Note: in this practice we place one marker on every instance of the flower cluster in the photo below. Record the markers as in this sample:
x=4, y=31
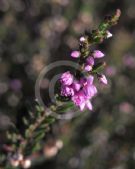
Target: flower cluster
x=83, y=90
x=80, y=91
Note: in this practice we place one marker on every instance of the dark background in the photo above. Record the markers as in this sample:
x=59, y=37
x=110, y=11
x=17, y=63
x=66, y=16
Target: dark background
x=34, y=33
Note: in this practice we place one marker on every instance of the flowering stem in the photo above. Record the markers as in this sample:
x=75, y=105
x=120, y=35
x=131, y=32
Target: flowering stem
x=39, y=122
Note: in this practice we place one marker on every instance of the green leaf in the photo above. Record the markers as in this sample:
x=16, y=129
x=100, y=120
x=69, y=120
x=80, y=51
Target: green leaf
x=31, y=114
x=39, y=136
x=103, y=27
x=99, y=67
x=39, y=108
x=49, y=120
x=14, y=137
x=65, y=107
x=25, y=121
x=9, y=135
x=36, y=147
x=27, y=133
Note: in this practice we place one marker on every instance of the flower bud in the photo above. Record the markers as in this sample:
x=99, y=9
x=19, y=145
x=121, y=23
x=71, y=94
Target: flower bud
x=82, y=39
x=102, y=79
x=90, y=60
x=109, y=35
x=75, y=54
x=88, y=68
x=118, y=13
x=98, y=54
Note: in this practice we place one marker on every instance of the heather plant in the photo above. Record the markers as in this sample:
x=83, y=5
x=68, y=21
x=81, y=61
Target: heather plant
x=76, y=89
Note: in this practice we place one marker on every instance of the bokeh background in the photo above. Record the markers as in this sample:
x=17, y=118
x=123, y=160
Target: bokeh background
x=34, y=33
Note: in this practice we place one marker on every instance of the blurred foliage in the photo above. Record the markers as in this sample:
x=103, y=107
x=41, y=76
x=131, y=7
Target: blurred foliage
x=35, y=33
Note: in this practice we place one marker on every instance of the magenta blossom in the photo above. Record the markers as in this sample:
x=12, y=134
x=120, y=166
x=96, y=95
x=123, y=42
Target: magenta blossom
x=67, y=91
x=98, y=54
x=89, y=89
x=75, y=54
x=80, y=100
x=66, y=78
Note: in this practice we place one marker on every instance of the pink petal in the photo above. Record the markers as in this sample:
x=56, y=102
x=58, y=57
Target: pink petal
x=103, y=79
x=95, y=90
x=82, y=106
x=89, y=105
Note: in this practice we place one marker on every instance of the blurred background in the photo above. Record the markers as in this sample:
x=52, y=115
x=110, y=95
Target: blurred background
x=34, y=33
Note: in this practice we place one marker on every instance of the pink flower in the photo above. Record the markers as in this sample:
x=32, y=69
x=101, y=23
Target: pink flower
x=67, y=91
x=98, y=54
x=66, y=78
x=80, y=100
x=90, y=60
x=75, y=54
x=102, y=79
x=89, y=89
